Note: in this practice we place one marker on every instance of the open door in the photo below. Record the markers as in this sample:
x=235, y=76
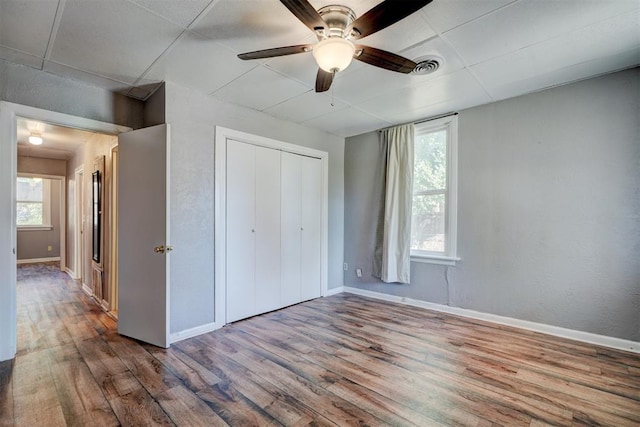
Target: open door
x=143, y=235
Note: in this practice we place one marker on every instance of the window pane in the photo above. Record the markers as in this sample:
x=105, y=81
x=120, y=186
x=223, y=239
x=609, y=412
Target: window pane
x=30, y=189
x=29, y=213
x=427, y=223
x=430, y=161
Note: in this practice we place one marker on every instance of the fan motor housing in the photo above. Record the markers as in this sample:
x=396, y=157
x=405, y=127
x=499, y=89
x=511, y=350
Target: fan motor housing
x=338, y=19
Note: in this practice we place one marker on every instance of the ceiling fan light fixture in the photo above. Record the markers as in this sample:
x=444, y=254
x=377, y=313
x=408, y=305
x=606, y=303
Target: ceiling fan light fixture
x=334, y=54
x=35, y=138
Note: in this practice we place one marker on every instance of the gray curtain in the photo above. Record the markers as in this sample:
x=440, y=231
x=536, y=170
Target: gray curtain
x=392, y=255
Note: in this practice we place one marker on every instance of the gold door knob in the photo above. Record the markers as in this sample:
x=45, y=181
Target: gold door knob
x=159, y=249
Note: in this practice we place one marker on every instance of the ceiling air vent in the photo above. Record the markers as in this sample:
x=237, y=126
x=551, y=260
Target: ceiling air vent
x=427, y=65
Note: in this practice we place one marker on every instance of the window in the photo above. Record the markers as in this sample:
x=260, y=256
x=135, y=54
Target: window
x=433, y=219
x=32, y=203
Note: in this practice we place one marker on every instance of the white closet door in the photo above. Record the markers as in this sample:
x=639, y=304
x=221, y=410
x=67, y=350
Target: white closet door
x=241, y=293
x=267, y=229
x=311, y=227
x=291, y=187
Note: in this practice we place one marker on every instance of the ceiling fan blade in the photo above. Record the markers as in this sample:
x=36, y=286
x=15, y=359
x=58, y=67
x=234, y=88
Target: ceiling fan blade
x=383, y=59
x=276, y=51
x=384, y=14
x=324, y=80
x=305, y=13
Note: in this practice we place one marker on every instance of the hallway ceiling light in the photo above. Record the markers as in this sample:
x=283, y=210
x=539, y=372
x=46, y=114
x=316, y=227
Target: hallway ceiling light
x=35, y=138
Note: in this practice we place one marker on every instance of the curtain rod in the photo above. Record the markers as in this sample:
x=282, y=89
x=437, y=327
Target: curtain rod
x=441, y=116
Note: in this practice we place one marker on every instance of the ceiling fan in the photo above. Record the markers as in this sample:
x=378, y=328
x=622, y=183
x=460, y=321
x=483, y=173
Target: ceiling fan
x=336, y=26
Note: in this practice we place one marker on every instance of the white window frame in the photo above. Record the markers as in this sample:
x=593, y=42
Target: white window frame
x=46, y=205
x=449, y=257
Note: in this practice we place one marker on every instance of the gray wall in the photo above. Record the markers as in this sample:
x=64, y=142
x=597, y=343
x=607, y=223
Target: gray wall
x=548, y=226
x=33, y=244
x=193, y=118
x=42, y=166
x=27, y=86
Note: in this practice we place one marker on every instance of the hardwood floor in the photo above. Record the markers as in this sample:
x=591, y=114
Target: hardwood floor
x=341, y=360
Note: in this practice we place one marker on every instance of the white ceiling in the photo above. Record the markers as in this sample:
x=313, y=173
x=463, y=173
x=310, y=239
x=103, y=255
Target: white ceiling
x=59, y=142
x=493, y=49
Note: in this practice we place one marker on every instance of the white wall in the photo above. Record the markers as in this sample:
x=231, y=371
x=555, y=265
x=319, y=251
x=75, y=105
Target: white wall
x=193, y=118
x=549, y=202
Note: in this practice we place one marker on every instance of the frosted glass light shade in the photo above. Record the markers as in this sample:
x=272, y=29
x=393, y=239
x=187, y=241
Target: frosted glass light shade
x=334, y=54
x=35, y=139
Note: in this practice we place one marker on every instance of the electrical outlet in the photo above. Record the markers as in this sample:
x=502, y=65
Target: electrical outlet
x=345, y=266
x=359, y=272
x=49, y=248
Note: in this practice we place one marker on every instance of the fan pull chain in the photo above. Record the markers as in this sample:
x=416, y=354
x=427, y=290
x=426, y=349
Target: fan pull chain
x=333, y=90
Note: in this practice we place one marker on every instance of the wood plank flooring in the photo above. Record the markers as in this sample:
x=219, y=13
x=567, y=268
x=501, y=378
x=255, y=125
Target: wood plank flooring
x=341, y=360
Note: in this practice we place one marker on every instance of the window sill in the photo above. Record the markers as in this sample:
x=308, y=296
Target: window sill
x=435, y=259
x=35, y=228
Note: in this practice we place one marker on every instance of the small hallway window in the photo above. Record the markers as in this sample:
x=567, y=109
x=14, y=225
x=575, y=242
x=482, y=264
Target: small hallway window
x=32, y=202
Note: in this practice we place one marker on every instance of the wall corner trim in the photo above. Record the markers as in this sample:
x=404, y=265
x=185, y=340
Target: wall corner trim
x=587, y=337
x=71, y=273
x=192, y=332
x=334, y=291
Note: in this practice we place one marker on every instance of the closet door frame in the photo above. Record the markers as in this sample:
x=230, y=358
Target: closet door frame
x=222, y=135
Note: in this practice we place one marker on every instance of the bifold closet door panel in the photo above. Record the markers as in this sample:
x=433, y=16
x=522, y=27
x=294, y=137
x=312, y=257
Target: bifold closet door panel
x=241, y=258
x=290, y=220
x=267, y=229
x=311, y=228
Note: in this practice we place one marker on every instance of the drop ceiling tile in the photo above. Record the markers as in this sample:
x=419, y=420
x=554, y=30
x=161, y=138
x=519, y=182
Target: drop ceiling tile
x=574, y=72
x=347, y=122
x=198, y=63
x=26, y=25
x=603, y=39
x=22, y=58
x=528, y=22
x=436, y=46
x=439, y=108
x=369, y=81
x=115, y=38
x=250, y=25
x=394, y=105
x=445, y=15
x=182, y=13
x=301, y=67
x=83, y=76
x=411, y=30
x=259, y=89
x=307, y=106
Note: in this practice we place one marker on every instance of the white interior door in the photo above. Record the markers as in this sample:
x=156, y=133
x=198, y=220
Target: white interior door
x=311, y=228
x=267, y=255
x=241, y=236
x=143, y=235
x=291, y=187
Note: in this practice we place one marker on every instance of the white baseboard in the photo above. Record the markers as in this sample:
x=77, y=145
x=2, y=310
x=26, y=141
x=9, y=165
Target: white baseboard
x=588, y=337
x=334, y=291
x=192, y=332
x=87, y=290
x=71, y=273
x=36, y=260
